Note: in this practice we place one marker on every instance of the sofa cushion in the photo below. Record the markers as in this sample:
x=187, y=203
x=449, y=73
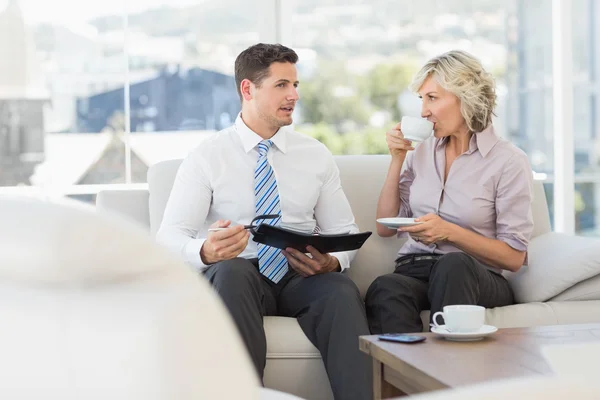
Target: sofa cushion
x=285, y=339
x=362, y=179
x=576, y=312
x=515, y=316
x=588, y=289
x=538, y=314
x=556, y=262
x=521, y=315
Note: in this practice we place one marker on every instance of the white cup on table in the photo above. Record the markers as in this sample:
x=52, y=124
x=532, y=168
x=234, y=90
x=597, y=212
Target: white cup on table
x=461, y=318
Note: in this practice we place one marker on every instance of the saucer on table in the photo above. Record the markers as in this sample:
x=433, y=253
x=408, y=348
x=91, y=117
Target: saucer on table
x=484, y=331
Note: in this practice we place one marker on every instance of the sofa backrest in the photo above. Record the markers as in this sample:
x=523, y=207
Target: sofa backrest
x=161, y=177
x=362, y=177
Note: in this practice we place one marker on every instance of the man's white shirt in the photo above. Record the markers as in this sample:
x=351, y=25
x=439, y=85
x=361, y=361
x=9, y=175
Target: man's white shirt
x=216, y=182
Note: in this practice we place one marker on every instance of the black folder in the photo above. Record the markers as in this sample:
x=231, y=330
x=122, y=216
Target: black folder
x=283, y=238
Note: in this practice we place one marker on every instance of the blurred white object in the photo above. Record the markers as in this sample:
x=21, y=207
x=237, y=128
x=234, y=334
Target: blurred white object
x=91, y=308
x=270, y=394
x=521, y=389
x=575, y=365
x=573, y=360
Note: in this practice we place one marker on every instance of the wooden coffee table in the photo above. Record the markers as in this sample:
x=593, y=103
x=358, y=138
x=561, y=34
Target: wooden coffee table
x=403, y=369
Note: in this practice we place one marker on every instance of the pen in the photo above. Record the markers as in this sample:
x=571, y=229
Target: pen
x=222, y=229
x=257, y=218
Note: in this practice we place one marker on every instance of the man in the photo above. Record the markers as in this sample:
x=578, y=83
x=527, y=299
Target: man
x=262, y=166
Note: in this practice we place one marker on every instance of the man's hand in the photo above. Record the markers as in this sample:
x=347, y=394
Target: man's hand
x=433, y=229
x=314, y=264
x=225, y=244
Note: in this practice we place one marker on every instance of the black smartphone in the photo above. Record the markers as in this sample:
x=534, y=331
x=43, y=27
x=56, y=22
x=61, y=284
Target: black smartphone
x=401, y=338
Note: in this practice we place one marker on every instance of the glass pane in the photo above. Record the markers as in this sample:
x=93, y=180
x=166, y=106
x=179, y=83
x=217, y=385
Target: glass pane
x=585, y=93
x=356, y=63
x=52, y=64
x=190, y=90
x=357, y=58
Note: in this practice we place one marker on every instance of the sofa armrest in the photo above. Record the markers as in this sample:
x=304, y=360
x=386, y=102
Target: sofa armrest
x=556, y=262
x=131, y=204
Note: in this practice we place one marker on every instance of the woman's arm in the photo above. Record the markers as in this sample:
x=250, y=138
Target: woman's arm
x=389, y=202
x=492, y=252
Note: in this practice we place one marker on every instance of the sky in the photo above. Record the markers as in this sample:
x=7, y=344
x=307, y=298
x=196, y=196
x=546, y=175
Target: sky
x=78, y=11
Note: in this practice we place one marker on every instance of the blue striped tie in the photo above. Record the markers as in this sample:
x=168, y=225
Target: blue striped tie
x=271, y=262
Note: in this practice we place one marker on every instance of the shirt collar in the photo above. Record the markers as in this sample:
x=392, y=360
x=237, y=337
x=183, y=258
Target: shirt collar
x=483, y=141
x=251, y=139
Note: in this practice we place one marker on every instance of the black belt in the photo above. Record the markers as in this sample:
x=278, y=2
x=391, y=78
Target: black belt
x=417, y=266
x=413, y=258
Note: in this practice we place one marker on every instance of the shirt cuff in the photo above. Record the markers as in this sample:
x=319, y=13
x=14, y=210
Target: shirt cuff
x=344, y=257
x=514, y=240
x=191, y=254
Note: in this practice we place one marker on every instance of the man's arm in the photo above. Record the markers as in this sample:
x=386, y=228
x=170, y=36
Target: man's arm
x=186, y=210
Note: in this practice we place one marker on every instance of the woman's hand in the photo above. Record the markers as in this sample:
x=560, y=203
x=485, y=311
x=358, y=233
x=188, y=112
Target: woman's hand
x=397, y=145
x=432, y=230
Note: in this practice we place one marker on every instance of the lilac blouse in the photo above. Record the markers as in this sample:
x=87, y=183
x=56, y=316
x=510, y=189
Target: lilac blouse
x=489, y=190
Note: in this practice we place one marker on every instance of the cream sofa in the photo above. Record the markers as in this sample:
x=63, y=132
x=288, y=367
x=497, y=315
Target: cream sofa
x=91, y=315
x=564, y=294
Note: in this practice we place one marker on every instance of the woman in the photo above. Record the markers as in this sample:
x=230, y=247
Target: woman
x=472, y=193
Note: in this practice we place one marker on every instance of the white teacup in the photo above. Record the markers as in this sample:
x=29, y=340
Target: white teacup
x=416, y=129
x=461, y=318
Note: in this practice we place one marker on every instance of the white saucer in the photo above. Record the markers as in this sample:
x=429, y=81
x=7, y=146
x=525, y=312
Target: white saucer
x=484, y=331
x=395, y=223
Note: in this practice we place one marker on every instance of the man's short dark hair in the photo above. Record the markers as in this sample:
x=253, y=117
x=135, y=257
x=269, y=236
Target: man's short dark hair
x=254, y=62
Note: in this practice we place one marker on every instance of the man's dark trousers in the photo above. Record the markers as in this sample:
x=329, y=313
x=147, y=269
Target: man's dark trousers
x=328, y=307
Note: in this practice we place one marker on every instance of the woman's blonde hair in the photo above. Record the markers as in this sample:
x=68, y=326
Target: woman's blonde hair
x=463, y=75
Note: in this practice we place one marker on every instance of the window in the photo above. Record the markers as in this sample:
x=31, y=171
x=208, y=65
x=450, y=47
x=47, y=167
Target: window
x=357, y=59
x=63, y=107
x=586, y=13
x=157, y=78
x=44, y=92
